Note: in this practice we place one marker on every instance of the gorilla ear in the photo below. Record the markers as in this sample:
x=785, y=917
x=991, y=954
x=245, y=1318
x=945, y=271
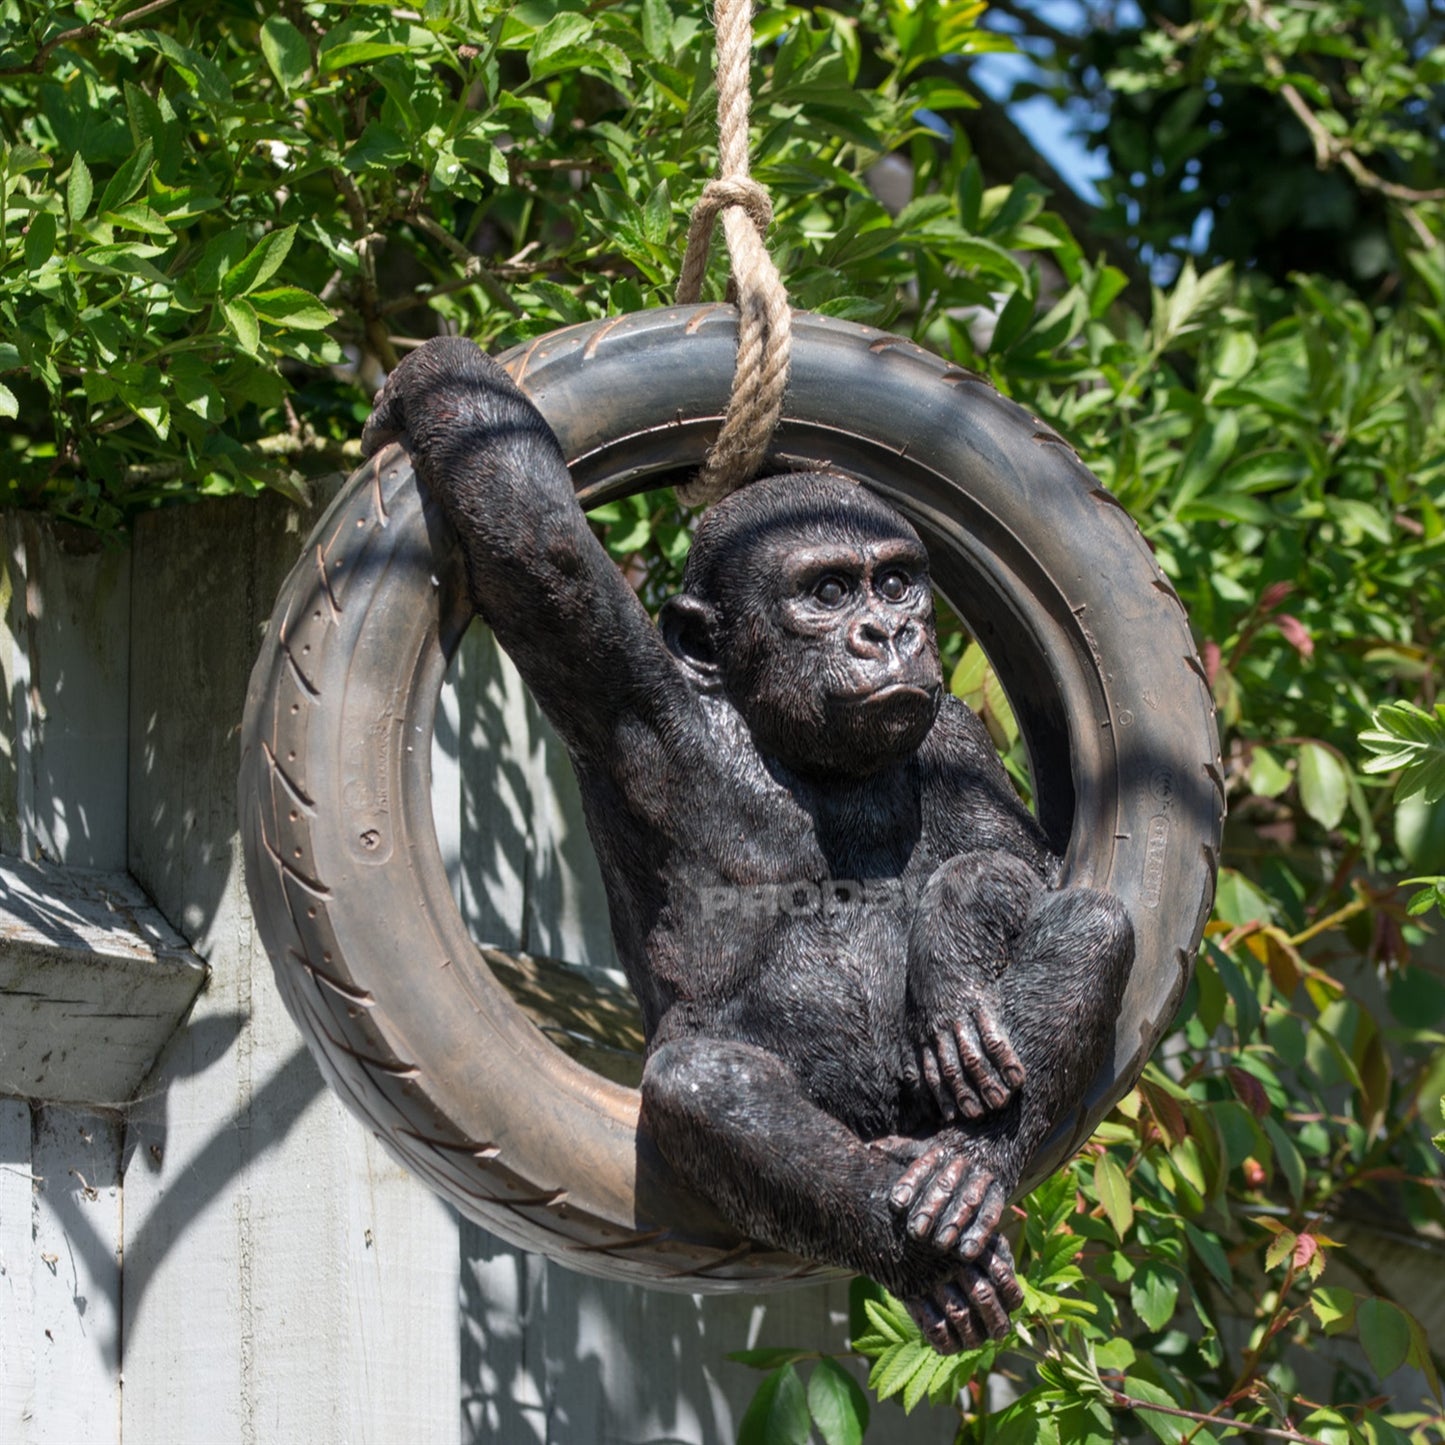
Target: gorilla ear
x=688, y=628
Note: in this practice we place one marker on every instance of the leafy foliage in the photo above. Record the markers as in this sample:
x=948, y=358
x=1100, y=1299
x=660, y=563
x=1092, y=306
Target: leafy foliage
x=1410, y=739
x=220, y=224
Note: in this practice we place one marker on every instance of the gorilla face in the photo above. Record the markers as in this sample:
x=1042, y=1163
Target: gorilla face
x=807, y=603
x=837, y=671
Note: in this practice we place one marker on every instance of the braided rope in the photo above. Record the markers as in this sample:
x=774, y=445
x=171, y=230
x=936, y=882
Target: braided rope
x=764, y=318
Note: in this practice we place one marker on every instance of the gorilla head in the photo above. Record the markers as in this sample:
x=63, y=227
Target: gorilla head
x=806, y=603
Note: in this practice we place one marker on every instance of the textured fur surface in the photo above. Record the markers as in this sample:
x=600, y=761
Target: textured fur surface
x=865, y=1002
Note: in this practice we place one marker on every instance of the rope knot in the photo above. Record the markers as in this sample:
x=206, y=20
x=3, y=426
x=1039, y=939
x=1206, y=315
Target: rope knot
x=764, y=320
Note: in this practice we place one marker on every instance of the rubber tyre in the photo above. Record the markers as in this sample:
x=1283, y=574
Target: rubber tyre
x=347, y=883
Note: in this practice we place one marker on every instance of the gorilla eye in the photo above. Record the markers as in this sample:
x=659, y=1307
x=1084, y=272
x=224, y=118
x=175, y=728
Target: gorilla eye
x=830, y=591
x=893, y=586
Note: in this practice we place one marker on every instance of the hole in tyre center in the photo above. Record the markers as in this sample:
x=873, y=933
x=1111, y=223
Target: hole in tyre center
x=521, y=869
x=509, y=822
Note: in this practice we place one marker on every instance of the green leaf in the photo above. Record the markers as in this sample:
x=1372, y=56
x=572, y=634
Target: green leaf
x=1419, y=1353
x=1113, y=1189
x=1291, y=1165
x=1280, y=1248
x=657, y=28
x=1154, y=1291
x=1384, y=1334
x=657, y=215
x=285, y=50
x=1268, y=778
x=9, y=407
x=1323, y=784
x=1409, y=738
x=1169, y=1428
x=778, y=1414
x=243, y=322
x=1420, y=832
x=201, y=74
x=128, y=180
x=40, y=240
x=259, y=265
x=896, y=1368
x=78, y=189
x=883, y=1316
x=1211, y=1252
x=769, y=1359
x=563, y=32
x=1334, y=1307
x=357, y=41
x=837, y=1404
x=291, y=306
x=138, y=217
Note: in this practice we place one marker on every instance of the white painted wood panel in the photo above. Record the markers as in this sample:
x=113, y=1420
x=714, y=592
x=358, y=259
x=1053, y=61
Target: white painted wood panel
x=300, y=1285
x=60, y=1217
x=68, y=596
x=94, y=982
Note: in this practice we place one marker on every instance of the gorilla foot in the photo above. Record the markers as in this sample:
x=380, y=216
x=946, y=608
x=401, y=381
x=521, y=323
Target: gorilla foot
x=961, y=1312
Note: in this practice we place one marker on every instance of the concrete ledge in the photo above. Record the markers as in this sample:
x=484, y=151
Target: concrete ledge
x=93, y=982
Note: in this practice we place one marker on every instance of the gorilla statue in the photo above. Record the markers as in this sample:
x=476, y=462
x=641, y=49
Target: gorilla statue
x=865, y=1003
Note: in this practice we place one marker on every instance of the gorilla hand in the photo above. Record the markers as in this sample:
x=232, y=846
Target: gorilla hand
x=431, y=396
x=949, y=1201
x=969, y=1065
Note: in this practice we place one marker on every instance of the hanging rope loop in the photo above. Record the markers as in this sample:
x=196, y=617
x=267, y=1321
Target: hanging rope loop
x=764, y=317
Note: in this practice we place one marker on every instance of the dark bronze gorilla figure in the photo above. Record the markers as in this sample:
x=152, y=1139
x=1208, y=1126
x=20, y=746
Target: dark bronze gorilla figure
x=865, y=1005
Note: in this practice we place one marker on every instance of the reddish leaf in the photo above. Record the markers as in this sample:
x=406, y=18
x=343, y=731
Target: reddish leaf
x=1296, y=634
x=1166, y=1111
x=1274, y=594
x=1210, y=656
x=1249, y=1091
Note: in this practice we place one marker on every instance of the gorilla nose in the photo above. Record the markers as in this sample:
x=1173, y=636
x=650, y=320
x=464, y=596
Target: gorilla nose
x=878, y=638
x=869, y=638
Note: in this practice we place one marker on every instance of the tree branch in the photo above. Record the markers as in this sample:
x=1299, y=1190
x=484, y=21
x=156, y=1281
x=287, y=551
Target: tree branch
x=37, y=63
x=1121, y=1401
x=1330, y=150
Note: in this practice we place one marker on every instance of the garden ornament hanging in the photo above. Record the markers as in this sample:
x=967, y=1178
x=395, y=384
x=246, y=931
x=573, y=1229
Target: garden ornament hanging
x=879, y=997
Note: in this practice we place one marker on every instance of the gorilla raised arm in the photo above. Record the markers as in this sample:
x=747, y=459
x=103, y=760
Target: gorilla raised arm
x=865, y=1005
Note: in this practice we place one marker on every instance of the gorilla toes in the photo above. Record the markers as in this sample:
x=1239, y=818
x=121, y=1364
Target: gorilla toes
x=961, y=1312
x=970, y=1066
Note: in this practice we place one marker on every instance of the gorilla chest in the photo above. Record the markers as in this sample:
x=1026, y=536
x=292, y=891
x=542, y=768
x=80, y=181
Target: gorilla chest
x=806, y=908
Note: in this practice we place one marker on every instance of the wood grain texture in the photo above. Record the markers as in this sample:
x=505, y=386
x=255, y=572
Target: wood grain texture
x=299, y=1283
x=95, y=982
x=60, y=1218
x=68, y=604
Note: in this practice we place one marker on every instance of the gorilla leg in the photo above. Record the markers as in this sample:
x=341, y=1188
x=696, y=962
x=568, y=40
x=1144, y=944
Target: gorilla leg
x=1061, y=1001
x=966, y=929
x=734, y=1122
x=1013, y=991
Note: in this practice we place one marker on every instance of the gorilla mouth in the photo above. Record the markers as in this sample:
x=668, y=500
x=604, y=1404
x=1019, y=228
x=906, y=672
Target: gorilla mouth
x=897, y=692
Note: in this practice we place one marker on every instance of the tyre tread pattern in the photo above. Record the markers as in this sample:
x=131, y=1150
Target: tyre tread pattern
x=311, y=811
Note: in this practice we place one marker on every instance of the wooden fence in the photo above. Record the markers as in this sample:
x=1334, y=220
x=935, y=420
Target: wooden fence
x=197, y=1243
x=223, y=1253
